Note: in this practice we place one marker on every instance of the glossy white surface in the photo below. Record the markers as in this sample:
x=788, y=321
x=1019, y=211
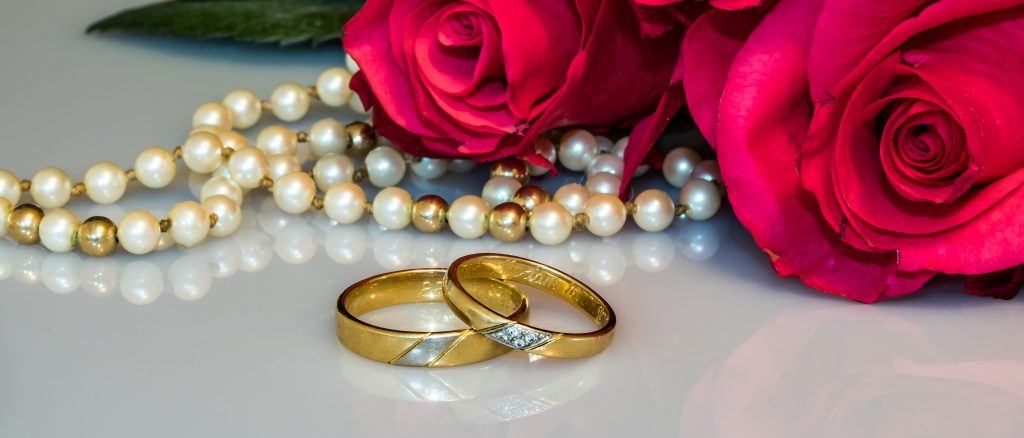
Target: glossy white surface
x=235, y=337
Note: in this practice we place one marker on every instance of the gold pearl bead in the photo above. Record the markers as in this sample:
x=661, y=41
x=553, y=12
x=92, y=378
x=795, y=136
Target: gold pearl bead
x=428, y=213
x=530, y=196
x=361, y=138
x=97, y=236
x=23, y=224
x=508, y=222
x=510, y=166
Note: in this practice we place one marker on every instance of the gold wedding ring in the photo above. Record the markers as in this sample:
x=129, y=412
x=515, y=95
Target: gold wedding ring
x=424, y=349
x=508, y=331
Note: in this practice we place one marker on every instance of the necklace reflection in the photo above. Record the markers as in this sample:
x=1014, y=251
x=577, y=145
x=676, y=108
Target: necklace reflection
x=268, y=232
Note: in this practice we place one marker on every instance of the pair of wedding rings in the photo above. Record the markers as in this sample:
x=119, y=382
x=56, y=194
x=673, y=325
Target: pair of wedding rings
x=482, y=290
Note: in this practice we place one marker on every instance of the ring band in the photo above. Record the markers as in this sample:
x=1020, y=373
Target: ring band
x=423, y=349
x=514, y=334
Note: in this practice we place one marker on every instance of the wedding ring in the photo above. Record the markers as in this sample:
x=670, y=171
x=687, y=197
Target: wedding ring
x=507, y=331
x=421, y=349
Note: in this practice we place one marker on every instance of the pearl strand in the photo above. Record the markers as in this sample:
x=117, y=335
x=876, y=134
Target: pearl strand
x=507, y=208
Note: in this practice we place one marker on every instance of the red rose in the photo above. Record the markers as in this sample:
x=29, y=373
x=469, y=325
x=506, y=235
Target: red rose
x=483, y=79
x=865, y=144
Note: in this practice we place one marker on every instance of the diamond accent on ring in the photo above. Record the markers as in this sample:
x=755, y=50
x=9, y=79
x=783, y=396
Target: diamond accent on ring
x=518, y=337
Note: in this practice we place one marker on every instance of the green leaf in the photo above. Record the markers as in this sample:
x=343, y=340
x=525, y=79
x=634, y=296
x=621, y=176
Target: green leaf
x=284, y=22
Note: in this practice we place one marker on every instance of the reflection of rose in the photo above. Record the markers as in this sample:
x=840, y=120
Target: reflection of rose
x=482, y=79
x=828, y=373
x=868, y=144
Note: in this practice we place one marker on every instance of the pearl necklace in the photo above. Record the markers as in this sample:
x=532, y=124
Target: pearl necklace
x=507, y=209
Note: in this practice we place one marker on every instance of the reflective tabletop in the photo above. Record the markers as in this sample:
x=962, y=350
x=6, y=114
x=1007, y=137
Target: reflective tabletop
x=236, y=337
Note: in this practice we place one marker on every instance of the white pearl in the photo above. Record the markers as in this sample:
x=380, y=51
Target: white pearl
x=385, y=166
x=51, y=188
x=213, y=114
x=222, y=186
x=619, y=149
x=707, y=170
x=467, y=217
x=294, y=192
x=345, y=202
x=607, y=163
x=654, y=210
x=289, y=102
x=430, y=168
x=327, y=136
x=245, y=107
x=281, y=165
x=356, y=103
x=139, y=232
x=573, y=197
x=57, y=230
x=202, y=152
x=500, y=189
x=232, y=140
x=550, y=223
x=105, y=183
x=604, y=144
x=545, y=148
x=248, y=166
x=165, y=242
x=5, y=212
x=604, y=183
x=277, y=139
x=229, y=215
x=190, y=223
x=679, y=164
x=10, y=187
x=350, y=63
x=392, y=208
x=701, y=198
x=577, y=149
x=333, y=86
x=461, y=166
x=333, y=169
x=155, y=167
x=607, y=214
